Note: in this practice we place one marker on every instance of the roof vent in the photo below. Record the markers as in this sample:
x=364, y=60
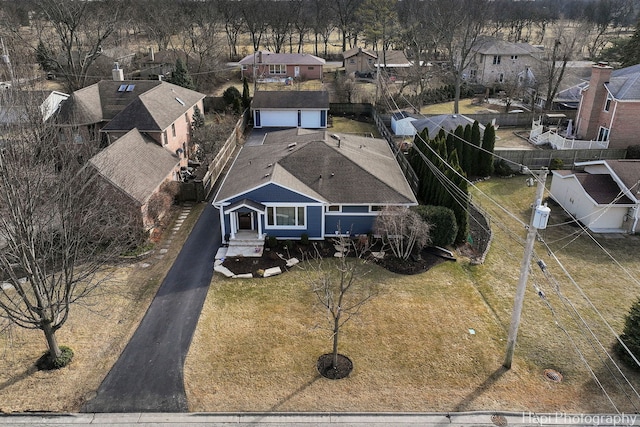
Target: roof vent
x=180, y=101
x=266, y=175
x=269, y=165
x=293, y=144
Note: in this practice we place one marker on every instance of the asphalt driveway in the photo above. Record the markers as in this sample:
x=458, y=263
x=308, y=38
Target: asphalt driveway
x=148, y=376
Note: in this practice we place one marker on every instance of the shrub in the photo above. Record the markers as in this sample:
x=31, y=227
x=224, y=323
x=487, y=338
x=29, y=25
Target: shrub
x=630, y=336
x=556, y=164
x=47, y=363
x=272, y=242
x=443, y=220
x=501, y=168
x=304, y=239
x=288, y=244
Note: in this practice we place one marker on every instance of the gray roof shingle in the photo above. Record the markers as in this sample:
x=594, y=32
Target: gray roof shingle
x=303, y=99
x=136, y=164
x=361, y=170
x=281, y=58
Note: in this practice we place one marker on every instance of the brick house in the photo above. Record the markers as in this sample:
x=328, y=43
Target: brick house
x=267, y=65
x=105, y=111
x=610, y=106
x=365, y=63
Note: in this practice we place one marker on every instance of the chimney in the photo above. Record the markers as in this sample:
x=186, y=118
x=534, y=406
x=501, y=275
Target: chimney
x=259, y=57
x=152, y=55
x=593, y=102
x=117, y=73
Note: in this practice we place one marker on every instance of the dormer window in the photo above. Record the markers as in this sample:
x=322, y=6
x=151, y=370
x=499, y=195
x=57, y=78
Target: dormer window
x=496, y=59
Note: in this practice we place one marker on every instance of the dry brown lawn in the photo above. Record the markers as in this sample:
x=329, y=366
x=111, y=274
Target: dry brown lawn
x=97, y=331
x=258, y=340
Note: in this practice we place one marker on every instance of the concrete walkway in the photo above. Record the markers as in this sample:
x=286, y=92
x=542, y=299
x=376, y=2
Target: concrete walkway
x=148, y=376
x=327, y=419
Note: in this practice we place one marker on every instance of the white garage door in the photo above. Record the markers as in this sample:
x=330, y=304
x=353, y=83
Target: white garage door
x=310, y=119
x=279, y=118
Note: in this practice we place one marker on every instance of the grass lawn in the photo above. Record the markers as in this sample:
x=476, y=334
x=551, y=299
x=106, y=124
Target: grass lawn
x=258, y=340
x=98, y=329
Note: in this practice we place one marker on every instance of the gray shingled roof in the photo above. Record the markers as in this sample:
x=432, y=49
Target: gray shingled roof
x=282, y=58
x=136, y=164
x=625, y=87
x=303, y=99
x=354, y=51
x=149, y=105
x=492, y=46
x=361, y=170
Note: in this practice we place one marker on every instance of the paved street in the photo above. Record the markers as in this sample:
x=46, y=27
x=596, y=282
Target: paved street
x=148, y=376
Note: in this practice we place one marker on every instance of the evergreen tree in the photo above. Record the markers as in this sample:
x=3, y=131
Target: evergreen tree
x=631, y=51
x=43, y=57
x=476, y=140
x=181, y=77
x=631, y=337
x=197, y=119
x=246, y=98
x=486, y=155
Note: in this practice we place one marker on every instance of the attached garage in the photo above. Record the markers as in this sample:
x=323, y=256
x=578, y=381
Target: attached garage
x=304, y=109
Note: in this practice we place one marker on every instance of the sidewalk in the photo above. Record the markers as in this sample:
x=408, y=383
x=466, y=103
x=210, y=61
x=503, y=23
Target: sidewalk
x=326, y=419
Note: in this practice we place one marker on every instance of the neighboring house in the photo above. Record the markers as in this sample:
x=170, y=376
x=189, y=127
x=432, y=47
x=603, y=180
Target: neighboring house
x=304, y=109
x=401, y=124
x=265, y=65
x=161, y=64
x=103, y=112
x=13, y=105
x=136, y=165
x=498, y=61
x=605, y=197
x=610, y=106
x=308, y=182
x=364, y=63
x=448, y=122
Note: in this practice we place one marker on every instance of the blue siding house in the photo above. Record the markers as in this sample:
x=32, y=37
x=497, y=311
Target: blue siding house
x=310, y=182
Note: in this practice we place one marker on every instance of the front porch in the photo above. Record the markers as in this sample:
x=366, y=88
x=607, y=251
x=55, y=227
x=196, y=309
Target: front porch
x=245, y=243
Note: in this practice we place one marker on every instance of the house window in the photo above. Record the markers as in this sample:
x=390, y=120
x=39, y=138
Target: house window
x=164, y=138
x=277, y=69
x=375, y=208
x=603, y=134
x=352, y=61
x=514, y=57
x=311, y=68
x=286, y=216
x=501, y=78
x=607, y=104
x=173, y=130
x=334, y=208
x=244, y=68
x=186, y=117
x=473, y=73
x=496, y=59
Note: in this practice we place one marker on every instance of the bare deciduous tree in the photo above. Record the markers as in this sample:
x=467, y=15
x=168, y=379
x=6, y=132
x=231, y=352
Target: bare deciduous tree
x=60, y=225
x=403, y=230
x=341, y=288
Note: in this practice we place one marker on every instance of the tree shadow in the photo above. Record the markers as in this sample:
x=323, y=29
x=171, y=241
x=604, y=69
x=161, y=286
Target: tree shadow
x=22, y=376
x=463, y=405
x=293, y=394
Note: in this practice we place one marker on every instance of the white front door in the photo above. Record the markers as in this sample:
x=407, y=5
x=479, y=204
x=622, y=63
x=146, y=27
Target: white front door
x=296, y=71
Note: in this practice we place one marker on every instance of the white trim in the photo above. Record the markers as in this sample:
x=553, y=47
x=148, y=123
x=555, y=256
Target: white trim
x=275, y=226
x=267, y=183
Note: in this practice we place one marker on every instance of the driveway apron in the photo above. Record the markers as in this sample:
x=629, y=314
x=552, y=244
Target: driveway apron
x=148, y=376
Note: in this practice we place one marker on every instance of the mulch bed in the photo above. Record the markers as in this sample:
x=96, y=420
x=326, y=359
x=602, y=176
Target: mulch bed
x=276, y=257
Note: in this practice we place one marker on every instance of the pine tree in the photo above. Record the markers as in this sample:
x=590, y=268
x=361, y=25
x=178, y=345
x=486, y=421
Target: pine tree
x=486, y=155
x=475, y=139
x=181, y=77
x=631, y=337
x=631, y=51
x=197, y=119
x=246, y=98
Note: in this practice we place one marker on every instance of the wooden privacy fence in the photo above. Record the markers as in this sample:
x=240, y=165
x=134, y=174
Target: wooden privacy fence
x=200, y=189
x=543, y=158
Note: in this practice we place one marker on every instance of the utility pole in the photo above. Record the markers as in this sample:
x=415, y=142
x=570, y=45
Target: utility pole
x=539, y=218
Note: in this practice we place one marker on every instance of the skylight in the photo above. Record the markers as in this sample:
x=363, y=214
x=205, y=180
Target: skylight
x=180, y=101
x=122, y=88
x=130, y=88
